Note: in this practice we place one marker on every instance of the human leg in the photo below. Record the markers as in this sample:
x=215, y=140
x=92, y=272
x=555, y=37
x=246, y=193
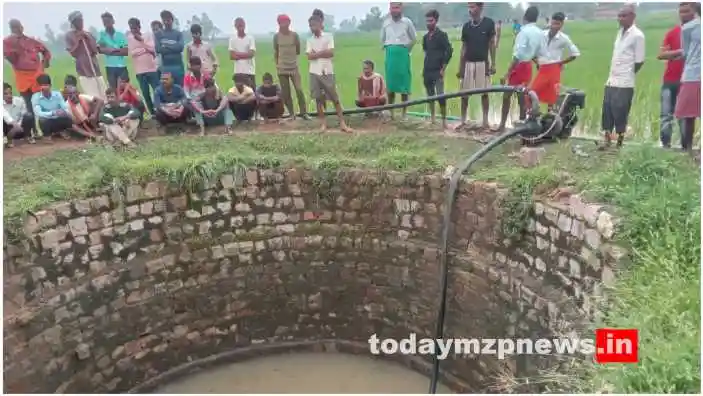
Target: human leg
x=298, y=86
x=329, y=87
x=429, y=81
x=621, y=109
x=688, y=109
x=284, y=80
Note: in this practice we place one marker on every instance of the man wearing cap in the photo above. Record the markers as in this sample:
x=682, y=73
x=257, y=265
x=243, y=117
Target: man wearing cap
x=84, y=49
x=286, y=47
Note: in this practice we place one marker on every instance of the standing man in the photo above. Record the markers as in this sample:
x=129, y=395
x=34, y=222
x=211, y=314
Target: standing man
x=286, y=48
x=627, y=60
x=320, y=51
x=242, y=50
x=143, y=52
x=438, y=52
x=478, y=57
x=548, y=81
x=527, y=46
x=202, y=50
x=671, y=81
x=29, y=58
x=169, y=44
x=157, y=26
x=398, y=37
x=688, y=104
x=113, y=45
x=84, y=49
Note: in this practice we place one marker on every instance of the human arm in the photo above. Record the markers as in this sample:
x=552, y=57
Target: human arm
x=174, y=48
x=248, y=54
x=9, y=51
x=7, y=117
x=73, y=43
x=275, y=49
x=189, y=53
x=106, y=118
x=297, y=44
x=98, y=105
x=491, y=48
x=91, y=44
x=462, y=54
x=359, y=89
x=572, y=49
x=639, y=52
x=448, y=53
x=158, y=100
x=38, y=111
x=383, y=35
x=122, y=49
x=412, y=33
x=213, y=58
x=329, y=51
x=45, y=54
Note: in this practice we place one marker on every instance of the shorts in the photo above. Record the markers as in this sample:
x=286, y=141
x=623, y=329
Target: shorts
x=475, y=76
x=323, y=87
x=434, y=85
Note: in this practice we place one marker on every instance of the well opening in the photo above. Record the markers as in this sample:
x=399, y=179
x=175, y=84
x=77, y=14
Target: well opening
x=127, y=292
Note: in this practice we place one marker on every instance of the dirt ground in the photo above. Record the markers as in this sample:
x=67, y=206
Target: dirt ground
x=149, y=130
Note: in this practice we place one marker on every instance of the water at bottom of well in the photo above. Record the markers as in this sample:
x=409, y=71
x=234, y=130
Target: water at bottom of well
x=305, y=373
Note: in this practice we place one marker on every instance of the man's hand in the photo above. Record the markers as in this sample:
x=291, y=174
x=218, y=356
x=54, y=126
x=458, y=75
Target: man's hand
x=138, y=37
x=312, y=55
x=504, y=79
x=60, y=113
x=490, y=69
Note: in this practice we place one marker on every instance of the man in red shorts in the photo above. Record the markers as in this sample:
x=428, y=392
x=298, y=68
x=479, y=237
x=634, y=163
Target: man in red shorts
x=527, y=45
x=550, y=62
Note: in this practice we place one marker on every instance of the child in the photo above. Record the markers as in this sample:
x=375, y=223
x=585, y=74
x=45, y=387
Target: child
x=202, y=50
x=269, y=97
x=126, y=92
x=119, y=119
x=193, y=82
x=320, y=50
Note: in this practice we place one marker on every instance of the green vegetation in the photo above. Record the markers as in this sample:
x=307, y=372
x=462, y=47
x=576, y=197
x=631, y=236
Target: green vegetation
x=656, y=192
x=589, y=73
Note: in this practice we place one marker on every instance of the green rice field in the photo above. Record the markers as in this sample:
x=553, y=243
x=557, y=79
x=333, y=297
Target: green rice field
x=589, y=72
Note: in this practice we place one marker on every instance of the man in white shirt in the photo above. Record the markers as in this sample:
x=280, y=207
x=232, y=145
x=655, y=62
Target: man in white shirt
x=628, y=58
x=242, y=50
x=320, y=50
x=16, y=120
x=547, y=83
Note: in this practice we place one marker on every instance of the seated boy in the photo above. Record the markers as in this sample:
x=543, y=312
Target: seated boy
x=85, y=112
x=193, y=82
x=126, y=92
x=170, y=102
x=119, y=119
x=212, y=108
x=269, y=97
x=16, y=120
x=50, y=109
x=371, y=87
x=242, y=101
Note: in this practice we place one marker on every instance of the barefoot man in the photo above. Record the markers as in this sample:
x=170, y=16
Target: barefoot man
x=527, y=45
x=398, y=37
x=29, y=58
x=438, y=52
x=478, y=56
x=320, y=50
x=84, y=49
x=286, y=48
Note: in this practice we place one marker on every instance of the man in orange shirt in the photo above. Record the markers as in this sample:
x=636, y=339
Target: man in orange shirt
x=28, y=57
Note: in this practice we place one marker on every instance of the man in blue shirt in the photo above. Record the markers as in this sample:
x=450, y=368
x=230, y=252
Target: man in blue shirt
x=527, y=45
x=170, y=102
x=169, y=45
x=51, y=109
x=113, y=45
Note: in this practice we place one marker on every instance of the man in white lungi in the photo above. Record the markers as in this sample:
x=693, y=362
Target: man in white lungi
x=84, y=49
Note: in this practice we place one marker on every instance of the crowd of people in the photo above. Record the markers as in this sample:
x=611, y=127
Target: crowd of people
x=173, y=93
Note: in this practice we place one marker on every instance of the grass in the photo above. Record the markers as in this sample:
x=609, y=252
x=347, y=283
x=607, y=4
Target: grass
x=589, y=73
x=656, y=193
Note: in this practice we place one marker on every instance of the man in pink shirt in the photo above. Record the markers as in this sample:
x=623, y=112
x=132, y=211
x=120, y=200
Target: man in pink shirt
x=141, y=49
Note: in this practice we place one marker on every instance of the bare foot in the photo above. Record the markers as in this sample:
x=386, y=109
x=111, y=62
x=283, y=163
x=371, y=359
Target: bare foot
x=65, y=135
x=228, y=130
x=346, y=129
x=323, y=128
x=31, y=140
x=202, y=131
x=460, y=127
x=500, y=128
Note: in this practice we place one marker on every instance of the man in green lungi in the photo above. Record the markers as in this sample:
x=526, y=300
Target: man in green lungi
x=398, y=37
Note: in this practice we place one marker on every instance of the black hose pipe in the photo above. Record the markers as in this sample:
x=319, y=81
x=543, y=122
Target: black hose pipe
x=530, y=126
x=465, y=93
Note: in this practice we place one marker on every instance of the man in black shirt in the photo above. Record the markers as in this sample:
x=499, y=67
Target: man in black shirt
x=438, y=52
x=478, y=57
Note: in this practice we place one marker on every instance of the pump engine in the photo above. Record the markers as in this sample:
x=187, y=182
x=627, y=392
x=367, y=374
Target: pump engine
x=559, y=123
